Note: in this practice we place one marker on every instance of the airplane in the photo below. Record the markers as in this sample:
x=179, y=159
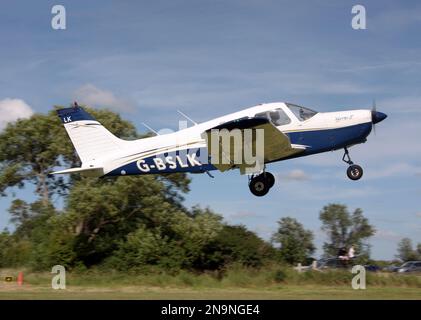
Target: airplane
x=289, y=131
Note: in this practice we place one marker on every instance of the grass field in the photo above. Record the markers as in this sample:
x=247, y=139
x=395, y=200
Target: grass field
x=236, y=284
x=138, y=292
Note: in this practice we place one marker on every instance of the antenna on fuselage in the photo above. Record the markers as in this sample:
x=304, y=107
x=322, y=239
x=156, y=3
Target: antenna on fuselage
x=150, y=128
x=185, y=116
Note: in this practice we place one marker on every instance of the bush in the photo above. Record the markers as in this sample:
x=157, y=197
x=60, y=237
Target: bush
x=279, y=276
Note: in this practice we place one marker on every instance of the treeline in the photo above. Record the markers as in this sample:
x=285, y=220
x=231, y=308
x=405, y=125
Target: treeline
x=407, y=252
x=138, y=222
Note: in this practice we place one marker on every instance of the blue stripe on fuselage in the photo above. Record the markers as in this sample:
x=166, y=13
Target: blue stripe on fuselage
x=196, y=160
x=190, y=160
x=330, y=139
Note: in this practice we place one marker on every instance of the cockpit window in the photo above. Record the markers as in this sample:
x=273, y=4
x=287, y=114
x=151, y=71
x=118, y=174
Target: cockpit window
x=278, y=117
x=300, y=112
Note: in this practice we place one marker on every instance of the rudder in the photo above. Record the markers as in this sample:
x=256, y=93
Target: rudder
x=90, y=138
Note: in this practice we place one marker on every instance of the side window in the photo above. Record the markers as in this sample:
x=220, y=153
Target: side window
x=261, y=115
x=278, y=117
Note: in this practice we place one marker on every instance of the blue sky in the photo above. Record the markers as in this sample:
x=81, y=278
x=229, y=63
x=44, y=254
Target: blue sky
x=208, y=58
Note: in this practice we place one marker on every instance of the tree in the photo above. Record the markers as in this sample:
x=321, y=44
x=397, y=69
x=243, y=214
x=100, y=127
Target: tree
x=406, y=251
x=31, y=148
x=102, y=212
x=28, y=217
x=98, y=213
x=180, y=244
x=345, y=229
x=296, y=243
x=234, y=245
x=13, y=251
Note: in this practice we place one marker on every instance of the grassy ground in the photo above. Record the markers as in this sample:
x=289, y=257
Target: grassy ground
x=236, y=284
x=138, y=292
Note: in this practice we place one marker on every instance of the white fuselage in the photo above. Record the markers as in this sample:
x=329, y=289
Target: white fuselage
x=191, y=137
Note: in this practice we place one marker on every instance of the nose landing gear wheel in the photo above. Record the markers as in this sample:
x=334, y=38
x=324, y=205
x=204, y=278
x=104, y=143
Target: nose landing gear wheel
x=354, y=172
x=261, y=184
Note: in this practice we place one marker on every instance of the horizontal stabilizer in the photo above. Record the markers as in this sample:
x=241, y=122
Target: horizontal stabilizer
x=88, y=172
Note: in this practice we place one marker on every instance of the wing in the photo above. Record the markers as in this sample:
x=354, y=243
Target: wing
x=88, y=172
x=226, y=155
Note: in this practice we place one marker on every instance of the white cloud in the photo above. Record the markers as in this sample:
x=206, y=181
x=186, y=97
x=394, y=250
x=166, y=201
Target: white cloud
x=389, y=144
x=386, y=235
x=264, y=231
x=406, y=104
x=295, y=175
x=394, y=169
x=243, y=215
x=13, y=109
x=93, y=96
x=395, y=20
x=398, y=65
x=330, y=193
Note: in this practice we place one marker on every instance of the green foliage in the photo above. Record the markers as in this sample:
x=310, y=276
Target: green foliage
x=280, y=276
x=14, y=252
x=141, y=248
x=406, y=251
x=235, y=244
x=296, y=243
x=99, y=213
x=31, y=148
x=136, y=223
x=236, y=276
x=102, y=212
x=345, y=229
x=179, y=246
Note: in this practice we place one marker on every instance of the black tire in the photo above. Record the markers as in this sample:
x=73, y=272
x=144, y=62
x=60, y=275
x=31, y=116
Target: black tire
x=269, y=178
x=259, y=186
x=354, y=172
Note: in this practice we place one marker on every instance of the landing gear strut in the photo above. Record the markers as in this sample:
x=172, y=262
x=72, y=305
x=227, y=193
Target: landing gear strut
x=354, y=171
x=259, y=185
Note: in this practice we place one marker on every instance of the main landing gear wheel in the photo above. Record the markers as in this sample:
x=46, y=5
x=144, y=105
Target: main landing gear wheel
x=354, y=171
x=270, y=178
x=261, y=184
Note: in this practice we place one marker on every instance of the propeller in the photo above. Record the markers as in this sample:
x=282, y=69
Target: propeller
x=376, y=116
x=373, y=115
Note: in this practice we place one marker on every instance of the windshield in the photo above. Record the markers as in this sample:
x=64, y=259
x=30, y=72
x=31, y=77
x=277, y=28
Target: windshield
x=300, y=112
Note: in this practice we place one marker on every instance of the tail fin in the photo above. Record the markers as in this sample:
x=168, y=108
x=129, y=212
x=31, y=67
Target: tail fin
x=91, y=139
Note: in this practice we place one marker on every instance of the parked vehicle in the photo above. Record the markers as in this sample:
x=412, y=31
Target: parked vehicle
x=410, y=266
x=392, y=268
x=333, y=263
x=336, y=263
x=372, y=268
